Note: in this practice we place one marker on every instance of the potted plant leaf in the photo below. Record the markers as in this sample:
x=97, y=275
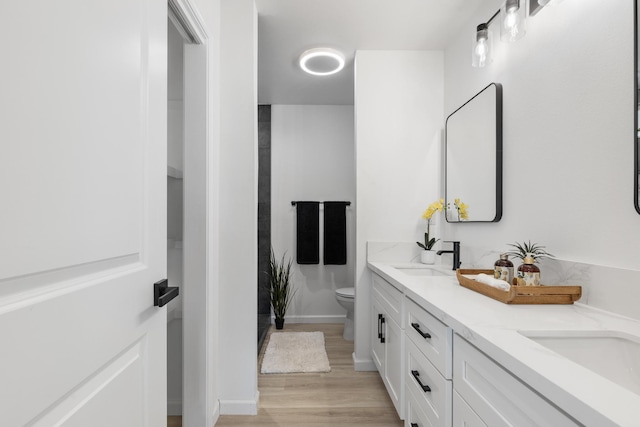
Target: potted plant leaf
x=281, y=289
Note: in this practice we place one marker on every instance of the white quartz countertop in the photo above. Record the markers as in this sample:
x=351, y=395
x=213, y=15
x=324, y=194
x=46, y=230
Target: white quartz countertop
x=494, y=328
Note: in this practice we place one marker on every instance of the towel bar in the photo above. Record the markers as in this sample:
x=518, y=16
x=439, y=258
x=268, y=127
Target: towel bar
x=347, y=203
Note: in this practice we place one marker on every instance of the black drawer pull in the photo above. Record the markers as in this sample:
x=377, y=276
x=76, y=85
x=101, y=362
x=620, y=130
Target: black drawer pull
x=382, y=337
x=416, y=375
x=416, y=326
x=414, y=425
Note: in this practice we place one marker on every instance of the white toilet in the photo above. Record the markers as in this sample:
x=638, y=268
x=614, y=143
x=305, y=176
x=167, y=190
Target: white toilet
x=346, y=298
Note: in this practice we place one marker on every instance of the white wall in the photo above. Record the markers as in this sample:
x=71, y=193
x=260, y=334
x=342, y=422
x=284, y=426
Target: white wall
x=399, y=119
x=312, y=158
x=568, y=140
x=208, y=352
x=238, y=206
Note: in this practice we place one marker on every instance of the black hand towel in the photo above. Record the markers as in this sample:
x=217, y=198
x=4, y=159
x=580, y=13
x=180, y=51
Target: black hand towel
x=335, y=233
x=307, y=232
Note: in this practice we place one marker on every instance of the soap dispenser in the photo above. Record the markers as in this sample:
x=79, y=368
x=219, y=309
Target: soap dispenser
x=503, y=269
x=528, y=273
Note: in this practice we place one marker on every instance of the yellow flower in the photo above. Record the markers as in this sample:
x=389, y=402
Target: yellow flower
x=464, y=214
x=434, y=207
x=462, y=208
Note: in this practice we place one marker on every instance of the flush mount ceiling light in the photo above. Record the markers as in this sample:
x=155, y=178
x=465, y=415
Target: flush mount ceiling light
x=322, y=61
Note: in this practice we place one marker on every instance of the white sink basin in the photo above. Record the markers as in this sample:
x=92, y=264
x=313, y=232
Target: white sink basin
x=613, y=355
x=421, y=271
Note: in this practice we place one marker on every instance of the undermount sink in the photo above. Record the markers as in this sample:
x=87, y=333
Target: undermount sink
x=611, y=354
x=421, y=271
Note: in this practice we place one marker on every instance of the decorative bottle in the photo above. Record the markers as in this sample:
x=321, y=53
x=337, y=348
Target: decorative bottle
x=503, y=269
x=528, y=273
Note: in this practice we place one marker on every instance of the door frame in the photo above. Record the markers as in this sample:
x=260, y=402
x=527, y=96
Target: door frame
x=199, y=402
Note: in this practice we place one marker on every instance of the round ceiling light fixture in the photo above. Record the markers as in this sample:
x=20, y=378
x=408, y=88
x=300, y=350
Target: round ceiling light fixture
x=322, y=61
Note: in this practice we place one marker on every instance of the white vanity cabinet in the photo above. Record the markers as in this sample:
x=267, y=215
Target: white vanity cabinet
x=387, y=340
x=494, y=396
x=428, y=356
x=463, y=415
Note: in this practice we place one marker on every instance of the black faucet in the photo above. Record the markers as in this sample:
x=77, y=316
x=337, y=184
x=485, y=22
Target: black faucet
x=456, y=255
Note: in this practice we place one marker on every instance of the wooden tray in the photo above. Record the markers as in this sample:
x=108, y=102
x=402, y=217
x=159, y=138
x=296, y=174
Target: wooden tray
x=521, y=294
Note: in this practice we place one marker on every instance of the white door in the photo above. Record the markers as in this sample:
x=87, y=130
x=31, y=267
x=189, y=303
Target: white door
x=82, y=212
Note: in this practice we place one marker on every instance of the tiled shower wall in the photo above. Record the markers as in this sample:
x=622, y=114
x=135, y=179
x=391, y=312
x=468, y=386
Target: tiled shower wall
x=264, y=219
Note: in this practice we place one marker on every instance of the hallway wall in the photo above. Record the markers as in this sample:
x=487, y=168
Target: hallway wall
x=313, y=159
x=399, y=119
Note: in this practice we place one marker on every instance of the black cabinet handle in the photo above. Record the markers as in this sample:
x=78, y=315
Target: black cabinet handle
x=382, y=337
x=162, y=293
x=416, y=375
x=414, y=425
x=416, y=326
x=379, y=326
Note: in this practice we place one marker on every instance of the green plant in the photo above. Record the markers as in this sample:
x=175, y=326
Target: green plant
x=528, y=249
x=428, y=214
x=281, y=289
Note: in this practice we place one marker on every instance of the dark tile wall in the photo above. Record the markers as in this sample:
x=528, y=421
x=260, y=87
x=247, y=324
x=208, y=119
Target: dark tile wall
x=264, y=219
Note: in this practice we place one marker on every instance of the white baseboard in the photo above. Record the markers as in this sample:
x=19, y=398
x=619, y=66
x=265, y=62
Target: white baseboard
x=363, y=364
x=240, y=407
x=213, y=419
x=174, y=407
x=337, y=318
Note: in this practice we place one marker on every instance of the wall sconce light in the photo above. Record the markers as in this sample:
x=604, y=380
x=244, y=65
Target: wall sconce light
x=513, y=26
x=513, y=20
x=539, y=4
x=481, y=54
x=483, y=44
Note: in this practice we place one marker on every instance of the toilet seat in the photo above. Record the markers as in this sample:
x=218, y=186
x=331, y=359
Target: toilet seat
x=346, y=292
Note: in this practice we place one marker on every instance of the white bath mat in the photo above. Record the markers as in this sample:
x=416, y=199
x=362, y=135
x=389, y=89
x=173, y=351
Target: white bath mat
x=289, y=352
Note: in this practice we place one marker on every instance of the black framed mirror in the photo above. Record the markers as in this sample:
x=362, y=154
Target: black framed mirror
x=636, y=129
x=473, y=158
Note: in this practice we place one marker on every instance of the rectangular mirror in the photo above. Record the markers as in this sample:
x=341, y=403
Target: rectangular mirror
x=473, y=157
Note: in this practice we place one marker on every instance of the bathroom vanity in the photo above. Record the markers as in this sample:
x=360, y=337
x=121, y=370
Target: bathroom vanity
x=450, y=356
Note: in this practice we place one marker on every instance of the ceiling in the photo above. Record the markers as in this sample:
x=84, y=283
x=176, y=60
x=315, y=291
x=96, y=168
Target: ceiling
x=286, y=28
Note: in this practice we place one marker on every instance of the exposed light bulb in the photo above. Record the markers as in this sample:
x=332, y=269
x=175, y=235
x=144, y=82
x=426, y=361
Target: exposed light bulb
x=513, y=21
x=481, y=54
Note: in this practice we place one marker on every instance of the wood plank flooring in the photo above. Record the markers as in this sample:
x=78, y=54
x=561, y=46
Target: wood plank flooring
x=340, y=398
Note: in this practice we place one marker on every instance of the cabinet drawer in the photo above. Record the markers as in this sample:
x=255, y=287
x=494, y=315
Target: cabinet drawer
x=428, y=387
x=416, y=417
x=389, y=298
x=463, y=415
x=499, y=398
x=432, y=337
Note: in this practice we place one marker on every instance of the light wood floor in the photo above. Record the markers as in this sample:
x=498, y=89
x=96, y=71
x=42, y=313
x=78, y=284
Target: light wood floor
x=340, y=398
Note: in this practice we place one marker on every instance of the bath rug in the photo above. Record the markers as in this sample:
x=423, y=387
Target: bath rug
x=289, y=352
